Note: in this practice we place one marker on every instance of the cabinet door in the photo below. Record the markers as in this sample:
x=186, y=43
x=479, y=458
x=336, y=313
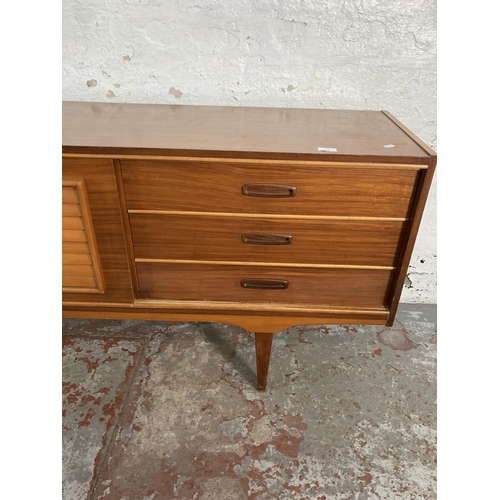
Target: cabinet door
x=81, y=265
x=94, y=256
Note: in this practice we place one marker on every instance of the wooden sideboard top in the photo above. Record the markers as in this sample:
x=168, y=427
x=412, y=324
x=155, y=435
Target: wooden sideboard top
x=251, y=132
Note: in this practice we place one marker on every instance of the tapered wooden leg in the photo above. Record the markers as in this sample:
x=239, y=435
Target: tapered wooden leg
x=263, y=344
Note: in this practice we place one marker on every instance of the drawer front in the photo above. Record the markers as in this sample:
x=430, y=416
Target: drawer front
x=273, y=189
x=247, y=239
x=335, y=287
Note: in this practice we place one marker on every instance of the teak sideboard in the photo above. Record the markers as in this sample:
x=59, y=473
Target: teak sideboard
x=264, y=218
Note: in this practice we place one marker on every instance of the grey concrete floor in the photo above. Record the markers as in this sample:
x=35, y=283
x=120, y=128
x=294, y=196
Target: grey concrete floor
x=159, y=410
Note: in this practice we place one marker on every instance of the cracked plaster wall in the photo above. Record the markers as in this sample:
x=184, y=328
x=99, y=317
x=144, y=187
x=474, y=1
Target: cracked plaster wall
x=340, y=54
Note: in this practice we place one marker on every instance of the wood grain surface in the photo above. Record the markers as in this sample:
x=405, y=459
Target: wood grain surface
x=253, y=322
x=336, y=287
x=115, y=127
x=209, y=186
x=343, y=242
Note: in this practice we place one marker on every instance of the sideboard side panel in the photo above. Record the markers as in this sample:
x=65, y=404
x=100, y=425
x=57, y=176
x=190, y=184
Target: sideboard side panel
x=417, y=211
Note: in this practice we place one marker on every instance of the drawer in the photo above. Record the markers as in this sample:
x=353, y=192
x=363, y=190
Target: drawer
x=209, y=186
x=257, y=239
x=336, y=287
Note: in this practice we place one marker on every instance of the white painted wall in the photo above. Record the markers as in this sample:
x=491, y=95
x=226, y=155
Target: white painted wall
x=340, y=54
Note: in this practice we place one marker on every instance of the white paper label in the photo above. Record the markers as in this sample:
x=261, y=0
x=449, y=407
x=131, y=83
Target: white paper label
x=328, y=150
x=389, y=146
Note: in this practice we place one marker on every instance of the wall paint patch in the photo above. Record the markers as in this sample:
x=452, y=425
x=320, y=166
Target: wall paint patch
x=175, y=92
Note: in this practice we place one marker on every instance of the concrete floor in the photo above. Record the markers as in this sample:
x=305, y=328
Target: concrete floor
x=157, y=410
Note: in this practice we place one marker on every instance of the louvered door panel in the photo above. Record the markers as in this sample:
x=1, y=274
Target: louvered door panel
x=81, y=268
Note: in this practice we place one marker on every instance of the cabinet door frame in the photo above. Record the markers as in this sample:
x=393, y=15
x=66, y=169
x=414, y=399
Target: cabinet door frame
x=104, y=211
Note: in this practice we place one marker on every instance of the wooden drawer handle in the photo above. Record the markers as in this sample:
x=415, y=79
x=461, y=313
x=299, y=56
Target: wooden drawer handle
x=264, y=283
x=269, y=190
x=266, y=239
